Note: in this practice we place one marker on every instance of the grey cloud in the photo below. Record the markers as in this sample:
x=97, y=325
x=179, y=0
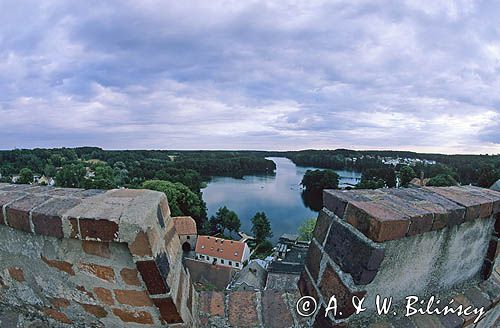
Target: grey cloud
x=264, y=75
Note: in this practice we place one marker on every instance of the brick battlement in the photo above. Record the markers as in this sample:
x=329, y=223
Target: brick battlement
x=388, y=214
x=401, y=242
x=93, y=258
x=115, y=254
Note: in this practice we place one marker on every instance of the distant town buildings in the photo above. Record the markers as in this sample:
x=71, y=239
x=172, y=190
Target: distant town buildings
x=251, y=277
x=222, y=251
x=406, y=161
x=289, y=257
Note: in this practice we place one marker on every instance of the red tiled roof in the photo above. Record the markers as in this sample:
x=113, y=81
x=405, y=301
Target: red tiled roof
x=222, y=248
x=185, y=225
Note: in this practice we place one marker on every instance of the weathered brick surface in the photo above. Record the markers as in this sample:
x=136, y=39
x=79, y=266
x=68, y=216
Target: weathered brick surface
x=130, y=276
x=276, y=313
x=493, y=247
x=376, y=221
x=141, y=317
x=478, y=298
x=321, y=320
x=388, y=214
x=168, y=310
x=96, y=310
x=104, y=295
x=18, y=211
x=332, y=285
x=132, y=297
x=180, y=288
x=57, y=315
x=491, y=287
x=100, y=271
x=99, y=218
x=6, y=198
x=59, y=302
x=353, y=252
x=140, y=247
x=152, y=277
x=47, y=217
x=497, y=225
x=477, y=205
x=61, y=265
x=451, y=321
x=486, y=269
x=242, y=309
x=163, y=265
x=492, y=195
x=460, y=299
x=337, y=200
x=313, y=260
x=96, y=248
x=17, y=273
x=102, y=230
x=85, y=292
x=306, y=286
x=322, y=225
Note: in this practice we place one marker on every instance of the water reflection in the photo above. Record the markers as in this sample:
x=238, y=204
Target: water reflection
x=280, y=196
x=312, y=199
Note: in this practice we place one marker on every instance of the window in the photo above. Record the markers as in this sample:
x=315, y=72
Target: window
x=237, y=264
x=230, y=263
x=188, y=237
x=222, y=261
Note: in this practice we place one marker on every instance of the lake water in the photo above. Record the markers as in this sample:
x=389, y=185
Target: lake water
x=279, y=196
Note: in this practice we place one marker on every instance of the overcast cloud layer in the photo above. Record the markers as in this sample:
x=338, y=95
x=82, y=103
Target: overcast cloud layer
x=414, y=75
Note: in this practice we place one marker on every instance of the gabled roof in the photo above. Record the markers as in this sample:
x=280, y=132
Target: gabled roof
x=230, y=250
x=185, y=225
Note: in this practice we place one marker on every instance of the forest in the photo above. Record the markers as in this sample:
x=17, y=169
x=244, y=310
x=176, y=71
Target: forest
x=480, y=170
x=183, y=174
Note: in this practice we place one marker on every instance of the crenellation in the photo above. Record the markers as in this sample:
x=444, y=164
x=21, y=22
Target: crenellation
x=400, y=242
x=103, y=256
x=95, y=258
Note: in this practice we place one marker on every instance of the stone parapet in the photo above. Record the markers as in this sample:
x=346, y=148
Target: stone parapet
x=114, y=253
x=401, y=242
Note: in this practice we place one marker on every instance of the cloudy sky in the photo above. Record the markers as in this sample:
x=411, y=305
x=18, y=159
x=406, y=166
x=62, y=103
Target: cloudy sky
x=413, y=75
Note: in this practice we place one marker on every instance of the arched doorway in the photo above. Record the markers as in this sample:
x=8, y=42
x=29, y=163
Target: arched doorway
x=186, y=247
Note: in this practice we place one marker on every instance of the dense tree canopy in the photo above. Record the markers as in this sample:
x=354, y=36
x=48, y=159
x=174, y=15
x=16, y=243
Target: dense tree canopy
x=371, y=184
x=306, y=229
x=441, y=180
x=261, y=227
x=71, y=176
x=223, y=219
x=317, y=180
x=406, y=174
x=25, y=176
x=181, y=199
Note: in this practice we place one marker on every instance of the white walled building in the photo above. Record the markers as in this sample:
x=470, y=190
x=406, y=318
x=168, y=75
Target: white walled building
x=222, y=251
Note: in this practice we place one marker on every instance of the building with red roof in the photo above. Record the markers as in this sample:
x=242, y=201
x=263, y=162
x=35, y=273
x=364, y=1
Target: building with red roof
x=222, y=251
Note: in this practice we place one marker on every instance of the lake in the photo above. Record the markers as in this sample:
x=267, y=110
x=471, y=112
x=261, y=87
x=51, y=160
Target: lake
x=279, y=196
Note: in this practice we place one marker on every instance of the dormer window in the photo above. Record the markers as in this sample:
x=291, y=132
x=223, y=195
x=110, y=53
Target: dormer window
x=202, y=246
x=235, y=253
